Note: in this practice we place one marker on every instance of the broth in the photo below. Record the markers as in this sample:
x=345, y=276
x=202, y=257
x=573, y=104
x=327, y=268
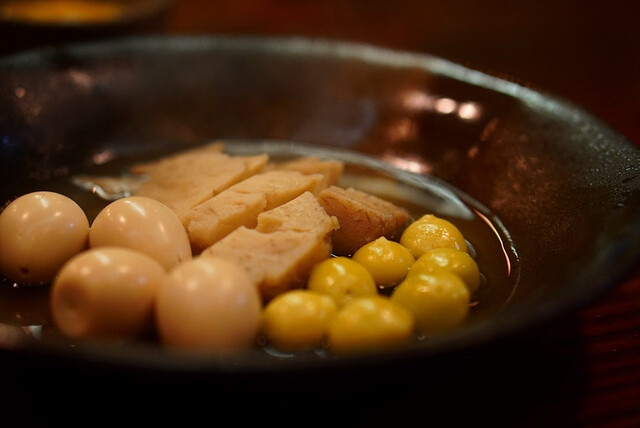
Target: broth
x=26, y=307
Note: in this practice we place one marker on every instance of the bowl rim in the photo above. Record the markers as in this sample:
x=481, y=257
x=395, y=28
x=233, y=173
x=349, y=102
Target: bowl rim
x=484, y=333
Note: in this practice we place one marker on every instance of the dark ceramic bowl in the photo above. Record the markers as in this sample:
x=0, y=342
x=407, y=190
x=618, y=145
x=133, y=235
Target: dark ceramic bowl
x=560, y=187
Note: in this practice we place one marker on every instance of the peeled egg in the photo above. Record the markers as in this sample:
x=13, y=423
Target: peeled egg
x=106, y=292
x=208, y=304
x=39, y=232
x=145, y=225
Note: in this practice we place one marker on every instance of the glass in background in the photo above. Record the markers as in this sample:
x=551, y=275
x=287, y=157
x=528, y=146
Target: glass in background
x=27, y=24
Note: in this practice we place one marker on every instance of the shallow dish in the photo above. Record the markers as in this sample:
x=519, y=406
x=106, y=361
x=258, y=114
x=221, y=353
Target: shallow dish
x=560, y=187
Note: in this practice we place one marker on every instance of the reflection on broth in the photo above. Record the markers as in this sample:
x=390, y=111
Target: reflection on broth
x=487, y=240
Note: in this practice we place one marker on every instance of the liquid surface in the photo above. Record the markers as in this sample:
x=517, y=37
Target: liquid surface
x=25, y=309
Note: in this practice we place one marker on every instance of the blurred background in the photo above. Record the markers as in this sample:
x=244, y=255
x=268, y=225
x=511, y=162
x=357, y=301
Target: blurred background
x=587, y=51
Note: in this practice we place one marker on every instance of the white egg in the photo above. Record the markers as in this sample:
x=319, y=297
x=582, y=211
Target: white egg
x=145, y=225
x=106, y=292
x=208, y=304
x=39, y=232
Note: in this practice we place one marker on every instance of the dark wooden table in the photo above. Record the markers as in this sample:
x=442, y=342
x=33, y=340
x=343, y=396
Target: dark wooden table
x=584, y=370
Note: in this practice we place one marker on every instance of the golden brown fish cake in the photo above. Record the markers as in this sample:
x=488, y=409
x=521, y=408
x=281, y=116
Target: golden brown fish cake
x=363, y=218
x=287, y=242
x=240, y=205
x=331, y=170
x=187, y=179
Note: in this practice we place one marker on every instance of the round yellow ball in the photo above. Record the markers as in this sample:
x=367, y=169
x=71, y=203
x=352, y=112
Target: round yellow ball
x=298, y=319
x=387, y=261
x=343, y=279
x=372, y=323
x=429, y=232
x=450, y=260
x=439, y=301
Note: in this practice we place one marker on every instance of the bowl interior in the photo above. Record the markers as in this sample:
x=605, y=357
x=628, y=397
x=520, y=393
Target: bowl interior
x=560, y=187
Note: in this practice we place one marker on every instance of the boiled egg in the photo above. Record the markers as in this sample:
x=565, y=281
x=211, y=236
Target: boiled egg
x=145, y=225
x=106, y=292
x=208, y=304
x=39, y=232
